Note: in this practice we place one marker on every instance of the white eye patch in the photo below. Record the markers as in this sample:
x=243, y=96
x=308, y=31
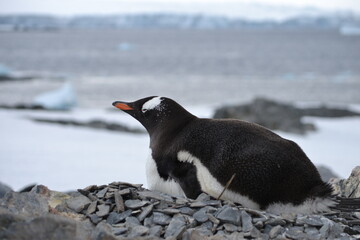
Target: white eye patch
x=151, y=104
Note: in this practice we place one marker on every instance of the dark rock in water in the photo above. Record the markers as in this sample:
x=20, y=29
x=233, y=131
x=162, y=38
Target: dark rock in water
x=326, y=173
x=279, y=116
x=97, y=124
x=270, y=114
x=4, y=189
x=23, y=107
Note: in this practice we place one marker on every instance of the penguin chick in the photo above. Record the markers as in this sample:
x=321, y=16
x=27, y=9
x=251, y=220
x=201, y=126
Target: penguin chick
x=190, y=155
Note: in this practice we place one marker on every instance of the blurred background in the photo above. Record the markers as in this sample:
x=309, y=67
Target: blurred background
x=292, y=66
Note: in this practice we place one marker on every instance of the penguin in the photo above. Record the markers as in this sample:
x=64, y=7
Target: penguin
x=235, y=160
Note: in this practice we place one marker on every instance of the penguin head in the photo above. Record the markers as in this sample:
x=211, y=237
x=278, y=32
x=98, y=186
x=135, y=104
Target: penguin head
x=155, y=113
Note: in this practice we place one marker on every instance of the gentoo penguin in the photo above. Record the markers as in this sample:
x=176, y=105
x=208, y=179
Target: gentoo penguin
x=190, y=155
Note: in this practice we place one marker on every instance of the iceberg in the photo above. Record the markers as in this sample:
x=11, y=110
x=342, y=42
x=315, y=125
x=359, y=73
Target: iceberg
x=63, y=98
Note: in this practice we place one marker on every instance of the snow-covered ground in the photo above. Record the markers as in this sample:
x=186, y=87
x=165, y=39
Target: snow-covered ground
x=66, y=157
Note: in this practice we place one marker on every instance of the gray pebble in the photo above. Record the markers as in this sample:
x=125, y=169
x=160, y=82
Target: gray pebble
x=181, y=201
x=119, y=231
x=115, y=218
x=103, y=210
x=213, y=219
x=102, y=193
x=78, y=203
x=137, y=231
x=275, y=231
x=145, y=212
x=187, y=210
x=124, y=191
x=132, y=221
x=203, y=197
x=259, y=224
x=95, y=219
x=255, y=233
x=161, y=219
x=119, y=201
x=92, y=208
x=230, y=227
x=276, y=221
x=201, y=215
x=314, y=221
x=295, y=233
x=229, y=215
x=135, y=204
x=198, y=204
x=149, y=221
x=176, y=227
x=246, y=220
x=155, y=231
x=208, y=225
x=155, y=195
x=170, y=211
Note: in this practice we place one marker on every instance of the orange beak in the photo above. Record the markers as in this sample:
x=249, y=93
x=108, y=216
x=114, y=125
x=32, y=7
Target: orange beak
x=122, y=106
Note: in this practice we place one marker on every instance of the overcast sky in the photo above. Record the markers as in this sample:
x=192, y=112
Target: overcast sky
x=233, y=8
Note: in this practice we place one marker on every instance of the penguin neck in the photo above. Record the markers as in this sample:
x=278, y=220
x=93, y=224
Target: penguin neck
x=167, y=131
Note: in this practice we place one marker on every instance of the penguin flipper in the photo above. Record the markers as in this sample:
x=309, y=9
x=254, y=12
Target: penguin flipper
x=185, y=174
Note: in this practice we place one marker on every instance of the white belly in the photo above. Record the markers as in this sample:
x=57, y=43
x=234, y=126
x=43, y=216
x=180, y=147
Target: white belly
x=155, y=182
x=211, y=186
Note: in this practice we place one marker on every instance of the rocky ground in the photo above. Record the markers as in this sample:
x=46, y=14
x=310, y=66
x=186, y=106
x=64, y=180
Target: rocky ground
x=128, y=211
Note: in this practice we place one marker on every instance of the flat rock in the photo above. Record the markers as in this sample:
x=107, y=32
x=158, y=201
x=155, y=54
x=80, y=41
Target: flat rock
x=92, y=208
x=187, y=210
x=137, y=231
x=246, y=220
x=115, y=218
x=161, y=219
x=176, y=227
x=103, y=210
x=119, y=201
x=201, y=215
x=229, y=215
x=155, y=231
x=78, y=203
x=145, y=212
x=135, y=204
x=275, y=231
x=155, y=195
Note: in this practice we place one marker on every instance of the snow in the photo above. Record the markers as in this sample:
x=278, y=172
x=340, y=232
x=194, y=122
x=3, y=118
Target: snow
x=60, y=99
x=66, y=157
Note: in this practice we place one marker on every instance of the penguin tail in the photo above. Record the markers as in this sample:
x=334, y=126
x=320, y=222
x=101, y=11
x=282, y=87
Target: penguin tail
x=322, y=190
x=344, y=204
